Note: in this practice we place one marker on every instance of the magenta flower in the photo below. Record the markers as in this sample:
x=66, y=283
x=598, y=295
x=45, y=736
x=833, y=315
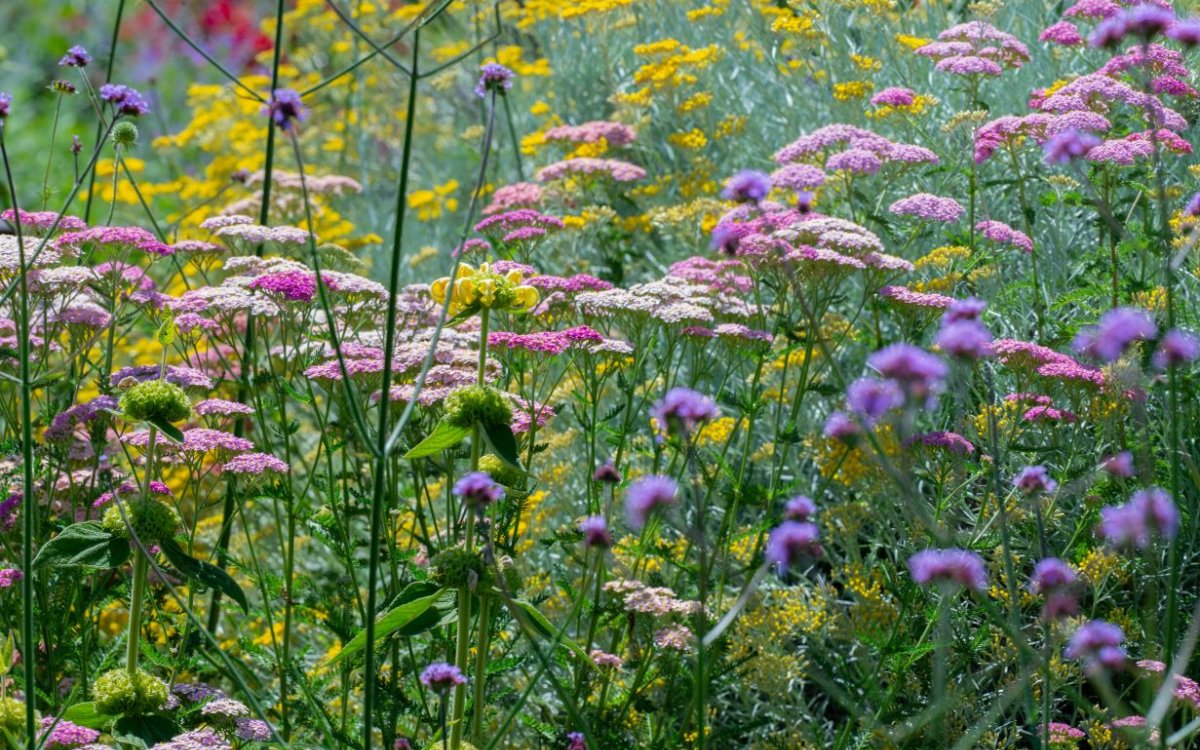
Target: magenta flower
x=1149, y=513
x=1050, y=574
x=494, y=77
x=1119, y=465
x=954, y=567
x=682, y=410
x=872, y=398
x=478, y=490
x=747, y=186
x=1117, y=330
x=646, y=494
x=799, y=508
x=5, y=105
x=595, y=532
x=294, y=286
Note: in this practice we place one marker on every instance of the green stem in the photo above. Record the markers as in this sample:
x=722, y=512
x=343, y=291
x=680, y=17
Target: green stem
x=50, y=153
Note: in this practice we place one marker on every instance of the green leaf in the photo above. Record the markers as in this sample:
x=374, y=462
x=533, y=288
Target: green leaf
x=392, y=621
x=146, y=730
x=86, y=715
x=169, y=431
x=86, y=545
x=7, y=650
x=166, y=331
x=203, y=573
x=443, y=437
x=502, y=440
x=543, y=628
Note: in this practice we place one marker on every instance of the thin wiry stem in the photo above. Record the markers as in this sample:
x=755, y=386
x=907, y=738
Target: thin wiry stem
x=200, y=51
x=100, y=131
x=28, y=505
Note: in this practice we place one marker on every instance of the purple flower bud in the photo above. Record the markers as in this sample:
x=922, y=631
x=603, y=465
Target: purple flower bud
x=494, y=77
x=724, y=239
x=595, y=532
x=790, y=542
x=576, y=741
x=949, y=566
x=804, y=202
x=1034, y=479
x=478, y=490
x=76, y=145
x=747, y=186
x=607, y=473
x=285, y=109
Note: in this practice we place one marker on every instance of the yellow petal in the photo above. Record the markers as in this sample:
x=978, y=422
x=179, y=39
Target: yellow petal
x=465, y=270
x=487, y=292
x=527, y=296
x=514, y=277
x=464, y=291
x=438, y=289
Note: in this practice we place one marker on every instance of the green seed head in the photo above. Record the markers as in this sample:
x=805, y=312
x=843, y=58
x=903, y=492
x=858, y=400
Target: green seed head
x=12, y=715
x=478, y=404
x=118, y=692
x=152, y=520
x=125, y=134
x=155, y=400
x=500, y=471
x=455, y=567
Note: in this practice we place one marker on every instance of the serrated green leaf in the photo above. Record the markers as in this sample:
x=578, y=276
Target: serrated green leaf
x=203, y=573
x=443, y=437
x=86, y=715
x=85, y=545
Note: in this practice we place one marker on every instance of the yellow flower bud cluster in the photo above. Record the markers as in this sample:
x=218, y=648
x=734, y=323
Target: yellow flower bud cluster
x=477, y=288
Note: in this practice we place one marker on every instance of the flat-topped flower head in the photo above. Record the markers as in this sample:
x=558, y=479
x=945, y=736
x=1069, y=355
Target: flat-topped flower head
x=293, y=286
x=286, y=109
x=125, y=100
x=255, y=464
x=645, y=495
x=494, y=77
x=441, y=677
x=949, y=567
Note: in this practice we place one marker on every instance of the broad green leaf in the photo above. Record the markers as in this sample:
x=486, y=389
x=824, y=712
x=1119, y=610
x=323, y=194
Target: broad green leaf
x=166, y=331
x=169, y=431
x=83, y=545
x=203, y=573
x=502, y=440
x=148, y=730
x=543, y=628
x=443, y=437
x=390, y=622
x=86, y=715
x=7, y=649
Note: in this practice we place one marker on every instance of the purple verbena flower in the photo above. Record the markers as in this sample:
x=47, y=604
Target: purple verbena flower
x=747, y=186
x=478, y=490
x=1098, y=645
x=949, y=566
x=1050, y=574
x=1119, y=465
x=607, y=473
x=1034, y=479
x=576, y=741
x=440, y=677
x=840, y=427
x=286, y=109
x=76, y=57
x=682, y=410
x=799, y=508
x=1068, y=145
x=595, y=532
x=1149, y=513
x=790, y=542
x=964, y=339
x=125, y=100
x=494, y=77
x=1176, y=348
x=871, y=398
x=646, y=494
x=919, y=374
x=1117, y=330
x=5, y=105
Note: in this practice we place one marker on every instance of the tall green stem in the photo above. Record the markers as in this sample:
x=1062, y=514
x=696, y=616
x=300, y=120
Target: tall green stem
x=141, y=567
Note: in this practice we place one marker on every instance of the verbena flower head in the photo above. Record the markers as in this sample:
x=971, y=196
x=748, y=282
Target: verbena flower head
x=964, y=339
x=919, y=373
x=799, y=508
x=646, y=494
x=1068, y=145
x=5, y=106
x=607, y=473
x=1176, y=348
x=871, y=398
x=964, y=309
x=595, y=532
x=286, y=109
x=576, y=741
x=1186, y=32
x=1097, y=644
x=1117, y=330
x=1149, y=513
x=790, y=542
x=1033, y=480
x=76, y=57
x=494, y=77
x=1050, y=574
x=1119, y=465
x=441, y=677
x=125, y=100
x=682, y=410
x=747, y=186
x=478, y=490
x=954, y=567
x=841, y=427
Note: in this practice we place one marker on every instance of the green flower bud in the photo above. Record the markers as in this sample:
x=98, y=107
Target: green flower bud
x=455, y=567
x=500, y=471
x=152, y=520
x=12, y=715
x=156, y=400
x=512, y=577
x=478, y=403
x=125, y=134
x=118, y=692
